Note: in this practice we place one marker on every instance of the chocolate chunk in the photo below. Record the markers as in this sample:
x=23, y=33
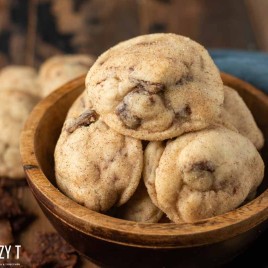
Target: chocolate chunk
x=130, y=121
x=185, y=79
x=203, y=166
x=84, y=120
x=150, y=87
x=100, y=82
x=184, y=113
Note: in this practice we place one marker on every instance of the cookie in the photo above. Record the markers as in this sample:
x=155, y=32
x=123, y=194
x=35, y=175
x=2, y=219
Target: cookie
x=140, y=207
x=155, y=87
x=204, y=174
x=59, y=70
x=237, y=114
x=22, y=78
x=96, y=166
x=15, y=106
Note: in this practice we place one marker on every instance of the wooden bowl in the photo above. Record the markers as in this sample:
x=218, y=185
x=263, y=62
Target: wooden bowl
x=114, y=242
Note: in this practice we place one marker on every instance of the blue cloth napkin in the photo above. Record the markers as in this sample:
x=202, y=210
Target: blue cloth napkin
x=249, y=66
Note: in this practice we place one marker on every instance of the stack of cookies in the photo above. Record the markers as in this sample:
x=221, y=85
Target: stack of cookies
x=21, y=87
x=19, y=92
x=157, y=133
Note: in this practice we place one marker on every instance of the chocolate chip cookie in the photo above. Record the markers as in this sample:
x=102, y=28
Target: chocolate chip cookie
x=237, y=114
x=59, y=70
x=96, y=166
x=203, y=174
x=155, y=87
x=22, y=78
x=15, y=106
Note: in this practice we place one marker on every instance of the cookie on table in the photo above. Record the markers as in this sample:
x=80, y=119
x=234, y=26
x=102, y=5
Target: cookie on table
x=15, y=106
x=237, y=114
x=204, y=174
x=156, y=86
x=58, y=70
x=96, y=166
x=140, y=207
x=22, y=78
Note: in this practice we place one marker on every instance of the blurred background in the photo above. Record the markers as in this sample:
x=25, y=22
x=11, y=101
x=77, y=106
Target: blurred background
x=33, y=30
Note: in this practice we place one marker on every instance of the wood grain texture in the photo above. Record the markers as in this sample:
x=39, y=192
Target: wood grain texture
x=91, y=232
x=33, y=30
x=209, y=22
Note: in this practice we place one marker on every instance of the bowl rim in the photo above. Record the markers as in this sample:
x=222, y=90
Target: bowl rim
x=145, y=235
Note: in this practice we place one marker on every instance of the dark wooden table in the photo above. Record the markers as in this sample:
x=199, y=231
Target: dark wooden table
x=32, y=30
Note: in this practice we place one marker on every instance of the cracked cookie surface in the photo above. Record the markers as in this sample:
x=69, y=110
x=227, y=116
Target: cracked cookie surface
x=22, y=78
x=96, y=166
x=155, y=87
x=204, y=174
x=236, y=112
x=15, y=106
x=59, y=70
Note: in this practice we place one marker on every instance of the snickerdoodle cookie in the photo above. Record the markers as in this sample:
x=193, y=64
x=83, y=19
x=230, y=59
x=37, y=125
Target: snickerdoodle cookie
x=155, y=87
x=19, y=77
x=236, y=112
x=203, y=174
x=96, y=166
x=58, y=70
x=15, y=106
